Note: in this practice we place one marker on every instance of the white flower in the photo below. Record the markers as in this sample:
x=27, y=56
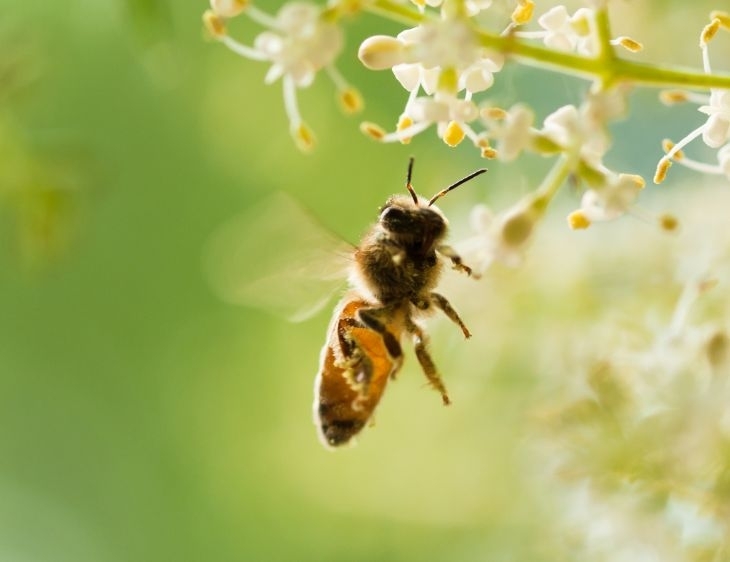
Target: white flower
x=574, y=133
x=613, y=199
x=513, y=131
x=301, y=43
x=716, y=130
x=472, y=7
x=449, y=113
x=564, y=32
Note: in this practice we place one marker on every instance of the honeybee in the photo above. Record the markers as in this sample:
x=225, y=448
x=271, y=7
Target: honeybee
x=392, y=275
x=395, y=270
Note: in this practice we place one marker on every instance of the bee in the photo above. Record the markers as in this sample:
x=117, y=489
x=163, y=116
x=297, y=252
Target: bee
x=393, y=278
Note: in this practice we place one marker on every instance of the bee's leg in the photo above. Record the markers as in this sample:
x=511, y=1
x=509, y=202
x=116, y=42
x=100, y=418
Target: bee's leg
x=370, y=317
x=424, y=358
x=445, y=306
x=449, y=252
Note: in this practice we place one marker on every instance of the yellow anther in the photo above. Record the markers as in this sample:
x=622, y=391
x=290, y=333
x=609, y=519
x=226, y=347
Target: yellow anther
x=453, y=134
x=667, y=222
x=214, y=24
x=577, y=220
x=494, y=113
x=630, y=44
x=375, y=132
x=672, y=97
x=668, y=145
x=350, y=100
x=303, y=137
x=403, y=123
x=635, y=178
x=709, y=31
x=489, y=153
x=522, y=14
x=229, y=8
x=724, y=18
x=661, y=170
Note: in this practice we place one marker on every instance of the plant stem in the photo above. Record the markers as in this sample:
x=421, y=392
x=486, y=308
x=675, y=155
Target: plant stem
x=607, y=69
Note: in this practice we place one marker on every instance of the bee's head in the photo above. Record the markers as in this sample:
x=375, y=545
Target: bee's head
x=403, y=217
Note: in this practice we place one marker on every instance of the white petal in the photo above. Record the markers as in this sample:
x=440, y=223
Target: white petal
x=715, y=132
x=408, y=75
x=554, y=18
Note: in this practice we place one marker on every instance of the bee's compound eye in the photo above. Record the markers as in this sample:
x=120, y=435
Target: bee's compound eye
x=391, y=216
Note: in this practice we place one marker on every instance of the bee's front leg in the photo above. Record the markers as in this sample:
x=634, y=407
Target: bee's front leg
x=449, y=252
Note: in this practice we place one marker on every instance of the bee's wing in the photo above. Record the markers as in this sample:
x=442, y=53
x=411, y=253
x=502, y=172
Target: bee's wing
x=277, y=257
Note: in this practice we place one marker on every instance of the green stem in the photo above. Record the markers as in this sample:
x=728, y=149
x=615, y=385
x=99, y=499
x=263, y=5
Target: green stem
x=607, y=68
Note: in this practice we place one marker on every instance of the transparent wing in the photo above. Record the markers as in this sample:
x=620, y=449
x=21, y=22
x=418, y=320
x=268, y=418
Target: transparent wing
x=277, y=257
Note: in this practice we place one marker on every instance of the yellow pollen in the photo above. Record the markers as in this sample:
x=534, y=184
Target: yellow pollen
x=577, y=220
x=709, y=31
x=496, y=113
x=668, y=145
x=522, y=14
x=489, y=153
x=630, y=44
x=375, y=132
x=668, y=222
x=454, y=134
x=661, y=170
x=214, y=24
x=403, y=123
x=724, y=18
x=304, y=137
x=671, y=97
x=350, y=100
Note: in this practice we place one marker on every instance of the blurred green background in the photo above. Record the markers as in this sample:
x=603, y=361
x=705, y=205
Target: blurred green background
x=143, y=419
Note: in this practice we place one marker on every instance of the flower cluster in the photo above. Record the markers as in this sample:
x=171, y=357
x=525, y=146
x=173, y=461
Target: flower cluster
x=446, y=61
x=641, y=451
x=298, y=42
x=715, y=131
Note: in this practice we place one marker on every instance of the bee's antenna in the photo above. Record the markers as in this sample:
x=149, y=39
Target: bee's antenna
x=409, y=187
x=445, y=190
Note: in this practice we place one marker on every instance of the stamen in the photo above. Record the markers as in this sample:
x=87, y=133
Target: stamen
x=577, y=220
x=522, y=14
x=214, y=24
x=628, y=43
x=241, y=49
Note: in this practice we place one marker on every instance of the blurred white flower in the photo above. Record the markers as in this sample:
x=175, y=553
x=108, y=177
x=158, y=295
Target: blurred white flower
x=613, y=199
x=512, y=129
x=564, y=32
